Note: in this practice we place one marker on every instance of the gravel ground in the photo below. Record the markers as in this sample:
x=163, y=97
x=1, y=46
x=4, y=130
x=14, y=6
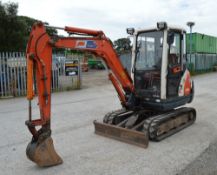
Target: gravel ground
x=94, y=78
x=84, y=152
x=205, y=163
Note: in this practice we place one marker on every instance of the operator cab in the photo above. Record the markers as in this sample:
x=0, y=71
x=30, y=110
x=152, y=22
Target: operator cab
x=159, y=71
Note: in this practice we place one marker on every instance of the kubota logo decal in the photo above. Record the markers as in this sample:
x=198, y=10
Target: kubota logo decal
x=89, y=44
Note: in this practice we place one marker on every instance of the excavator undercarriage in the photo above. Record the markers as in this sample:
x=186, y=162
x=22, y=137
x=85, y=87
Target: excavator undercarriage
x=138, y=127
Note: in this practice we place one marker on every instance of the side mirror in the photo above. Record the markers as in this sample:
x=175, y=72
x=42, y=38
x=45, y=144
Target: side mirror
x=170, y=38
x=134, y=68
x=139, y=44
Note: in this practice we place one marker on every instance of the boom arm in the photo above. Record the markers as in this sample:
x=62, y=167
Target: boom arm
x=39, y=60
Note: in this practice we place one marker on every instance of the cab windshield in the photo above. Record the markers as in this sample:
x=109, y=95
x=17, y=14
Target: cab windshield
x=149, y=50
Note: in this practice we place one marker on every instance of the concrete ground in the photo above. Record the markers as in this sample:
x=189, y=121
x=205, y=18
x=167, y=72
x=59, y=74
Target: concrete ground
x=83, y=152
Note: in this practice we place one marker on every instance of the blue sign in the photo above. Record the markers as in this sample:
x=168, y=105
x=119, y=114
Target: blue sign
x=91, y=44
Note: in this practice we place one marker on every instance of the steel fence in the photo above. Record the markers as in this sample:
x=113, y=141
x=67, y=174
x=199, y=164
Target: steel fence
x=13, y=74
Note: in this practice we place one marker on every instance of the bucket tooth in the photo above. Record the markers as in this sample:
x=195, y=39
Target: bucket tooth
x=43, y=153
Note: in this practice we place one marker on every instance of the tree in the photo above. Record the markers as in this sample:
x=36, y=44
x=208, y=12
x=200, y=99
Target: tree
x=11, y=9
x=30, y=21
x=14, y=30
x=122, y=45
x=27, y=24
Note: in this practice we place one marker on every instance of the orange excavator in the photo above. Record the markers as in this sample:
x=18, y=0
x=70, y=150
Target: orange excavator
x=151, y=96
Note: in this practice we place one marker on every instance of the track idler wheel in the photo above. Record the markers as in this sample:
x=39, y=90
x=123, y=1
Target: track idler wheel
x=42, y=152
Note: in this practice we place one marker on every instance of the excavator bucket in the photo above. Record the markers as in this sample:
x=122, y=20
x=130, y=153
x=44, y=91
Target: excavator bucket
x=43, y=153
x=130, y=136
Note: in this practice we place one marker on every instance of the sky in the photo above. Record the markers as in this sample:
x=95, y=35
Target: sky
x=114, y=16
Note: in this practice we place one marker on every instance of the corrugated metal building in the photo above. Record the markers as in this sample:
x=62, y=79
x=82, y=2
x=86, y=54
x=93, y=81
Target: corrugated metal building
x=126, y=60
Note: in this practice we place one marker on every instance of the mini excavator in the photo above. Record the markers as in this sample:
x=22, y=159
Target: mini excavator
x=152, y=95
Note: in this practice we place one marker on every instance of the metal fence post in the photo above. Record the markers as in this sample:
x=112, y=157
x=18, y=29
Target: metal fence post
x=4, y=73
x=1, y=74
x=8, y=79
x=79, y=83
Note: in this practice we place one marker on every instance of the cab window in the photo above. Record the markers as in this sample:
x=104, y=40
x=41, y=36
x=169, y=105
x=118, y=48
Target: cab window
x=174, y=57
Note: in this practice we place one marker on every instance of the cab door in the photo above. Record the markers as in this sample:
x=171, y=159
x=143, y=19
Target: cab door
x=174, y=63
x=147, y=67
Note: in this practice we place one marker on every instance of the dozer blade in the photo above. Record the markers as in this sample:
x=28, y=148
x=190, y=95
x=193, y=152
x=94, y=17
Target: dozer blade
x=43, y=153
x=122, y=134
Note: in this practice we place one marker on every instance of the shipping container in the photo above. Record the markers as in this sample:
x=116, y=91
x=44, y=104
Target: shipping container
x=201, y=62
x=201, y=43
